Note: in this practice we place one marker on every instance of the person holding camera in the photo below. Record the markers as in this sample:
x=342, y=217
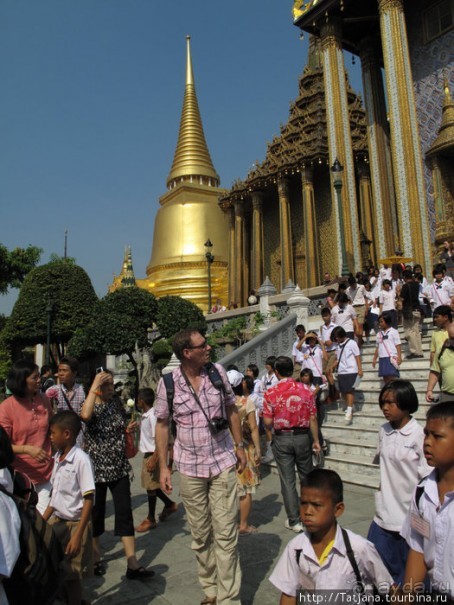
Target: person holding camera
x=203, y=409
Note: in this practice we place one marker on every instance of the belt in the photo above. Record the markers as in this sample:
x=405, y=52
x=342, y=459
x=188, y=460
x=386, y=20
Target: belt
x=297, y=430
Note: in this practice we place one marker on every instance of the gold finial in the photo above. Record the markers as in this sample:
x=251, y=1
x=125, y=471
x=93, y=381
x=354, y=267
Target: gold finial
x=192, y=158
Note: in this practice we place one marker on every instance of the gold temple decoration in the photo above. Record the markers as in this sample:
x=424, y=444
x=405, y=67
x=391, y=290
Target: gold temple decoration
x=192, y=158
x=126, y=278
x=189, y=216
x=441, y=159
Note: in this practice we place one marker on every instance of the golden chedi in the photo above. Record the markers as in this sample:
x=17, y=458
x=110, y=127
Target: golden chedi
x=189, y=216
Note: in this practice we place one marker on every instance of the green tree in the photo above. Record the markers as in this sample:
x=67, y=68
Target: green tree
x=118, y=325
x=15, y=264
x=176, y=313
x=63, y=288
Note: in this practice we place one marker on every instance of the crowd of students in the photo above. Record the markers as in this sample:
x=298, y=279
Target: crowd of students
x=409, y=545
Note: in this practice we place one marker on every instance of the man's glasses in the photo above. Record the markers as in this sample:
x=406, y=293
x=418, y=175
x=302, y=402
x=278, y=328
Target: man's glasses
x=203, y=345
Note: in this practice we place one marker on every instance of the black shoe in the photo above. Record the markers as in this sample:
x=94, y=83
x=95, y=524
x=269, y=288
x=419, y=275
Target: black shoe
x=139, y=574
x=99, y=568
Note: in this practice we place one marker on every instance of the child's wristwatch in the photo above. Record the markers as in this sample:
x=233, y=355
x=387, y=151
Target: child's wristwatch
x=240, y=444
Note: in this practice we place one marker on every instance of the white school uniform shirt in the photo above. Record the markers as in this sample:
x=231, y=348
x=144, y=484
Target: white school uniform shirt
x=269, y=381
x=335, y=573
x=325, y=334
x=387, y=298
x=313, y=359
x=71, y=479
x=297, y=355
x=438, y=547
x=344, y=317
x=402, y=466
x=147, y=443
x=387, y=342
x=440, y=294
x=357, y=295
x=347, y=352
x=9, y=546
x=376, y=289
x=385, y=273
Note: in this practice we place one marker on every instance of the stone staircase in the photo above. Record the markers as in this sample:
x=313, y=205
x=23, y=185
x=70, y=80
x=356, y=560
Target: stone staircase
x=352, y=448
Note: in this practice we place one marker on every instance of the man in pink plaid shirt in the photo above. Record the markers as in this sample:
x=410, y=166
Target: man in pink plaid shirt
x=205, y=457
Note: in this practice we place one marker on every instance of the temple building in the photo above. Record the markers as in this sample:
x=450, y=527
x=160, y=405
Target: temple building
x=343, y=186
x=188, y=219
x=284, y=221
x=412, y=42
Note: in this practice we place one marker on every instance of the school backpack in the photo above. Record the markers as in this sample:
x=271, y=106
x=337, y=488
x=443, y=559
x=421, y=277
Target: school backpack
x=36, y=578
x=213, y=375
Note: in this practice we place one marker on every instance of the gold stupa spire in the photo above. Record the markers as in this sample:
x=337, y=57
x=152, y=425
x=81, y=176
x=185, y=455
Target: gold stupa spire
x=126, y=278
x=192, y=161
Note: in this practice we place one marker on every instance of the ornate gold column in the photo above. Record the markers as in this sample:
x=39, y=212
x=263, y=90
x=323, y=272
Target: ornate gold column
x=257, y=240
x=231, y=219
x=283, y=187
x=239, y=251
x=339, y=136
x=311, y=250
x=405, y=145
x=385, y=214
x=367, y=208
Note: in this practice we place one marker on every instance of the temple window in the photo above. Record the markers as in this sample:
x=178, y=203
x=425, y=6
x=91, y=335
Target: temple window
x=438, y=18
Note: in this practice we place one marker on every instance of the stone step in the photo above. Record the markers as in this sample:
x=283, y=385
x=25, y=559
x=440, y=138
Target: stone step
x=370, y=395
x=371, y=420
x=352, y=433
x=370, y=405
x=338, y=447
x=354, y=470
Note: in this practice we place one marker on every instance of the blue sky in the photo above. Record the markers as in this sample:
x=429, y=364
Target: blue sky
x=91, y=96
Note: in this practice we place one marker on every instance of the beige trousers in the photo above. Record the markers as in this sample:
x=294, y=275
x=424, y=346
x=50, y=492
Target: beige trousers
x=412, y=333
x=211, y=507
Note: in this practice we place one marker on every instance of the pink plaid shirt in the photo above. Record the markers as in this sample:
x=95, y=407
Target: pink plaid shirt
x=290, y=404
x=197, y=453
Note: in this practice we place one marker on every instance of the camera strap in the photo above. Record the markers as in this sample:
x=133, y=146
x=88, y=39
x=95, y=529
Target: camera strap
x=194, y=394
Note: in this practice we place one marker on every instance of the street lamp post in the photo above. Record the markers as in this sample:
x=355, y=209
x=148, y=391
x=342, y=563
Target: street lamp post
x=210, y=259
x=337, y=171
x=49, y=309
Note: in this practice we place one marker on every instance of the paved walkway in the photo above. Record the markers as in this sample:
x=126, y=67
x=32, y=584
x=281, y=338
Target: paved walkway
x=167, y=549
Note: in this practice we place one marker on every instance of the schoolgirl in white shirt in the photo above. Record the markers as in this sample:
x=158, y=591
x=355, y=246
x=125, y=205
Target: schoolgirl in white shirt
x=388, y=350
x=402, y=465
x=348, y=368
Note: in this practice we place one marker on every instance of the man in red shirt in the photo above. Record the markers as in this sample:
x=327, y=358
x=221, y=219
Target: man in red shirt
x=289, y=408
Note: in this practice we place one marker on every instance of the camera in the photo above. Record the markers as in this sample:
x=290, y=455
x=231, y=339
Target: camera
x=99, y=370
x=217, y=425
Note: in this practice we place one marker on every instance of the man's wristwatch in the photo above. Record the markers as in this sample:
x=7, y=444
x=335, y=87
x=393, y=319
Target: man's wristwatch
x=240, y=444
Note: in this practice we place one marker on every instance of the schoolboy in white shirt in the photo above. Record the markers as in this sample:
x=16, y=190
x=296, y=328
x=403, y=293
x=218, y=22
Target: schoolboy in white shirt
x=297, y=355
x=330, y=347
x=344, y=315
x=429, y=525
x=71, y=502
x=317, y=558
x=150, y=464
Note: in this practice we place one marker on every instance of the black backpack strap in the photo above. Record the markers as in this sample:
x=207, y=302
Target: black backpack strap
x=215, y=377
x=351, y=558
x=419, y=491
x=298, y=552
x=170, y=390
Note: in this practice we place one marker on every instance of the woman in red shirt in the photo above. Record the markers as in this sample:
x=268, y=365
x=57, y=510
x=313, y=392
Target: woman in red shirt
x=25, y=417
